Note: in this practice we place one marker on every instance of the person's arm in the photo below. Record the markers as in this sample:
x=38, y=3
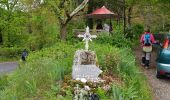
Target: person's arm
x=141, y=39
x=153, y=39
x=166, y=43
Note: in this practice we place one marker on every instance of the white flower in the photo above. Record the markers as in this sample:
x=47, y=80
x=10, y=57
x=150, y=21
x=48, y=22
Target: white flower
x=86, y=87
x=83, y=80
x=77, y=79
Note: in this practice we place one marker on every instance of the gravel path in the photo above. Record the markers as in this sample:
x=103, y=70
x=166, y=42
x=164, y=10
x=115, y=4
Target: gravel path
x=160, y=87
x=8, y=67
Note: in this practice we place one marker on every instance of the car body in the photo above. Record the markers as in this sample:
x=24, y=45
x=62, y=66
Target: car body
x=163, y=60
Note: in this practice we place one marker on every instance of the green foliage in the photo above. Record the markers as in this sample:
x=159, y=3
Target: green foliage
x=101, y=93
x=134, y=32
x=43, y=30
x=137, y=30
x=117, y=39
x=72, y=36
x=12, y=25
x=38, y=42
x=3, y=82
x=117, y=93
x=134, y=84
x=39, y=75
x=36, y=30
x=122, y=93
x=10, y=52
x=42, y=74
x=31, y=86
x=122, y=62
x=104, y=38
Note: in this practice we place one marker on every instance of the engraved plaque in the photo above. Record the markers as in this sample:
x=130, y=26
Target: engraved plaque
x=89, y=72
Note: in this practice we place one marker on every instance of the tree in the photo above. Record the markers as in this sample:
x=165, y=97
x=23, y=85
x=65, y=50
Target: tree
x=64, y=11
x=9, y=6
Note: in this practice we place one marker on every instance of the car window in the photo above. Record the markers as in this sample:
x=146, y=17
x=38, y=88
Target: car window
x=164, y=60
x=164, y=57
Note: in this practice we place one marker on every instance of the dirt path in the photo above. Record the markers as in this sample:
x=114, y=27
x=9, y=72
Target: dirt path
x=160, y=87
x=8, y=67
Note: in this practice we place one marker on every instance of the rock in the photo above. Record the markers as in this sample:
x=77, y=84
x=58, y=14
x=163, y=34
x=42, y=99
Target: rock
x=83, y=57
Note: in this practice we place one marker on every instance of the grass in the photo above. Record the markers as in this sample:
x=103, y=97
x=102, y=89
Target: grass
x=7, y=59
x=41, y=77
x=122, y=62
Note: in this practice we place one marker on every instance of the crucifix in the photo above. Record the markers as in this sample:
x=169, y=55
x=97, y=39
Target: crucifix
x=87, y=37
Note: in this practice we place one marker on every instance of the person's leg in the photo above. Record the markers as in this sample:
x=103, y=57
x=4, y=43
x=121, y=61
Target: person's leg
x=148, y=57
x=23, y=58
x=143, y=58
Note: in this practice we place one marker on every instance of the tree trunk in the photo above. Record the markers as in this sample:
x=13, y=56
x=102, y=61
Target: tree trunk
x=63, y=23
x=63, y=30
x=129, y=15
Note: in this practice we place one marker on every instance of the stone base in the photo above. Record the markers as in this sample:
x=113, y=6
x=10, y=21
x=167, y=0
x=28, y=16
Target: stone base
x=84, y=66
x=83, y=57
x=89, y=72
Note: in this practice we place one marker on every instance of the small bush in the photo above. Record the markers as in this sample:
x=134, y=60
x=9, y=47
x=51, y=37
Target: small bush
x=134, y=32
x=116, y=39
x=101, y=93
x=39, y=42
x=10, y=52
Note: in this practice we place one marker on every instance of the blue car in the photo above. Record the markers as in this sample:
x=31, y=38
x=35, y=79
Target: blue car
x=163, y=60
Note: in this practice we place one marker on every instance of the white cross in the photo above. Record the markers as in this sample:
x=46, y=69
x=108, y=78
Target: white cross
x=87, y=37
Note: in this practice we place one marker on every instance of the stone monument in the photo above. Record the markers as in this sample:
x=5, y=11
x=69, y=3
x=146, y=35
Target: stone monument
x=85, y=61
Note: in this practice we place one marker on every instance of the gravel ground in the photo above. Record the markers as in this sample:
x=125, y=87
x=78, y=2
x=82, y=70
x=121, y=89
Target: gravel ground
x=8, y=67
x=160, y=87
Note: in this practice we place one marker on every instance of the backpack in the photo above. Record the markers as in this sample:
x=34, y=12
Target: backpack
x=147, y=40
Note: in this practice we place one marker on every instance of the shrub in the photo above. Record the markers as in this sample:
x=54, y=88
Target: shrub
x=104, y=39
x=72, y=36
x=101, y=93
x=116, y=39
x=10, y=52
x=134, y=31
x=39, y=42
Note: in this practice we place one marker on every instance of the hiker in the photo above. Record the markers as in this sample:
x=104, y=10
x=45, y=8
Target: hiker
x=146, y=40
x=24, y=55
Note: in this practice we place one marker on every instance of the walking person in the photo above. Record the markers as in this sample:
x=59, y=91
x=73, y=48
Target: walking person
x=24, y=55
x=147, y=40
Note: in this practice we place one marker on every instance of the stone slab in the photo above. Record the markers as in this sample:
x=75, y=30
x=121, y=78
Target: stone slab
x=89, y=72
